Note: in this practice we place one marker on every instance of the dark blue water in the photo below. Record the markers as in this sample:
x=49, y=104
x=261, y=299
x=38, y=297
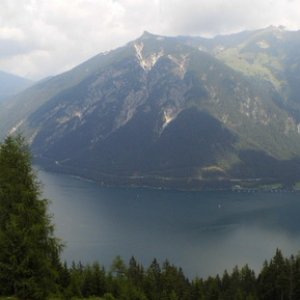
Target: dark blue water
x=203, y=232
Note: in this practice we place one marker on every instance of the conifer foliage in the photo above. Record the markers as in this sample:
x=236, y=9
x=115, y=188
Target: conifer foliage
x=29, y=251
x=279, y=279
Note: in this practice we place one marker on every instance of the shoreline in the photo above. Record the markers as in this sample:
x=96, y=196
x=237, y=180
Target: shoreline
x=166, y=188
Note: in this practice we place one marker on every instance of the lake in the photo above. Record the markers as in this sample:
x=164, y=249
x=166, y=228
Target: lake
x=202, y=232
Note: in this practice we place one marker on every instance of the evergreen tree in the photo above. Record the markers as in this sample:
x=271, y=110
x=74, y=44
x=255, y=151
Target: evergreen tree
x=93, y=282
x=135, y=273
x=98, y=280
x=174, y=282
x=153, y=281
x=212, y=288
x=64, y=280
x=76, y=280
x=281, y=271
x=248, y=282
x=118, y=267
x=197, y=289
x=295, y=284
x=29, y=252
x=274, y=281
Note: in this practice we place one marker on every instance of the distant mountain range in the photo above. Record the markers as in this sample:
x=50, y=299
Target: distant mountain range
x=11, y=84
x=183, y=112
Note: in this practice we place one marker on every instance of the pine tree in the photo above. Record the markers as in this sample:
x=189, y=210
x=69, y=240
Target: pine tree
x=295, y=284
x=135, y=273
x=153, y=285
x=29, y=252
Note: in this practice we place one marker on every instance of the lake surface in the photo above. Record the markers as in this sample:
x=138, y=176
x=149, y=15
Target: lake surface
x=203, y=232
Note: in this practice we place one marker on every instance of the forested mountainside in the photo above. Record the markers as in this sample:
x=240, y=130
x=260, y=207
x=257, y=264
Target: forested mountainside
x=184, y=112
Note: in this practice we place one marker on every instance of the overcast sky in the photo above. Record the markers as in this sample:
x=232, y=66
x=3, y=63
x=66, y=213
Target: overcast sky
x=39, y=38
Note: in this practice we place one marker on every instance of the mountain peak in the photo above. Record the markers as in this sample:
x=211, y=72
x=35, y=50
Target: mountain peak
x=147, y=34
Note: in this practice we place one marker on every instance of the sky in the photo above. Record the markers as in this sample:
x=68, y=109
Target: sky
x=40, y=38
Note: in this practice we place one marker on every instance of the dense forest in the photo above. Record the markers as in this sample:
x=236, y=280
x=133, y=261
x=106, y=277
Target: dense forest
x=31, y=267
x=279, y=279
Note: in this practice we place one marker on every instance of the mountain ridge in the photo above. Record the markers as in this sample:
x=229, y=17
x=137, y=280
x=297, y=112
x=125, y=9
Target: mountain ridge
x=11, y=84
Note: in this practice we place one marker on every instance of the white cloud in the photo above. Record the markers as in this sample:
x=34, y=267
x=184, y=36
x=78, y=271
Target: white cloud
x=219, y=16
x=42, y=37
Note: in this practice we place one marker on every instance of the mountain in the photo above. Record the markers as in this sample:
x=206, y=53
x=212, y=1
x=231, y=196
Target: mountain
x=11, y=84
x=184, y=112
x=268, y=54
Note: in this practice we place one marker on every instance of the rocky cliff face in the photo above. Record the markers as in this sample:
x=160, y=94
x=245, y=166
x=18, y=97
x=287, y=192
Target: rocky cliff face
x=176, y=112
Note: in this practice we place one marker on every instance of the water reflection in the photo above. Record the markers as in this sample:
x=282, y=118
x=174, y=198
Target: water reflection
x=204, y=232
